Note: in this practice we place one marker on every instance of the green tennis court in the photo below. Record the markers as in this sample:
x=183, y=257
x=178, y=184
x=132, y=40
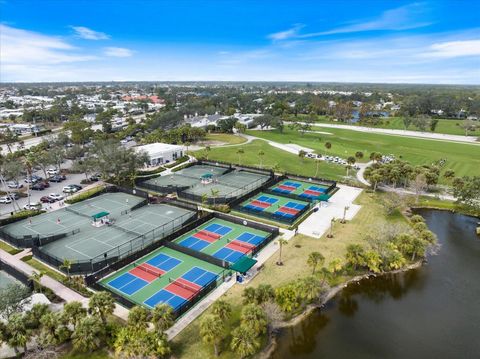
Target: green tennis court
x=306, y=190
x=223, y=239
x=163, y=276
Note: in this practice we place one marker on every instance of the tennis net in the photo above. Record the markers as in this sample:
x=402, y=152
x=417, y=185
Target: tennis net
x=126, y=230
x=68, y=209
x=209, y=234
x=145, y=268
x=184, y=285
x=242, y=244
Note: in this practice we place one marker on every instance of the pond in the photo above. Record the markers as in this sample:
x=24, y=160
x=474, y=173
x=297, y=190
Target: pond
x=429, y=312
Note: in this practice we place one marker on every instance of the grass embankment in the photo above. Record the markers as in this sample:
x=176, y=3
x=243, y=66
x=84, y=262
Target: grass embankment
x=286, y=162
x=435, y=203
x=464, y=159
x=43, y=268
x=188, y=343
x=226, y=138
x=445, y=126
x=9, y=249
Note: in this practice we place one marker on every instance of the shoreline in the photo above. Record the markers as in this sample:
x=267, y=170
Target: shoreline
x=267, y=352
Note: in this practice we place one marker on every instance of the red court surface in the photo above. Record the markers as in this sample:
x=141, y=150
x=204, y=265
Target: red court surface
x=287, y=188
x=312, y=193
x=240, y=247
x=147, y=272
x=177, y=288
x=288, y=210
x=260, y=204
x=210, y=234
x=204, y=237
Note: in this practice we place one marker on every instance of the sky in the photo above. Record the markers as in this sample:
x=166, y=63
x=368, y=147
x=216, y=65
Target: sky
x=307, y=41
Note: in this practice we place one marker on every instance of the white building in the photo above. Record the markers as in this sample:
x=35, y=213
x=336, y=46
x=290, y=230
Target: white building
x=160, y=153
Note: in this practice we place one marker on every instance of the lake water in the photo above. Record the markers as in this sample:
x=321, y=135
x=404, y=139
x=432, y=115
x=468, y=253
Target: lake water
x=6, y=279
x=430, y=312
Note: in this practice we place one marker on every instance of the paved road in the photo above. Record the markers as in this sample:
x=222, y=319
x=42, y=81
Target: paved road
x=406, y=133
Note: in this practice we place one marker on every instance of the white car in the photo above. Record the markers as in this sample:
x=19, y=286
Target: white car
x=33, y=206
x=13, y=184
x=55, y=196
x=5, y=200
x=52, y=172
x=70, y=189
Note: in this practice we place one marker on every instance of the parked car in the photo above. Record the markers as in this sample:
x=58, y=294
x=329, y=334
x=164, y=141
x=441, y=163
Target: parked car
x=78, y=187
x=52, y=171
x=57, y=178
x=47, y=199
x=94, y=178
x=14, y=184
x=13, y=195
x=39, y=186
x=5, y=200
x=33, y=206
x=70, y=189
x=55, y=196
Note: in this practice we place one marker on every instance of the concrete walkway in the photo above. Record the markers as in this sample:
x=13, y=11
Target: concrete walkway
x=405, y=133
x=361, y=172
x=319, y=222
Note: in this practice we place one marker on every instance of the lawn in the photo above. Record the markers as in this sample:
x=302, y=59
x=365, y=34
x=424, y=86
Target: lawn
x=464, y=159
x=8, y=248
x=285, y=161
x=226, y=138
x=447, y=126
x=188, y=344
x=43, y=268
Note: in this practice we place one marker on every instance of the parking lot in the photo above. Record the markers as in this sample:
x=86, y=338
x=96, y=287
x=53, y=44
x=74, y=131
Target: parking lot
x=6, y=209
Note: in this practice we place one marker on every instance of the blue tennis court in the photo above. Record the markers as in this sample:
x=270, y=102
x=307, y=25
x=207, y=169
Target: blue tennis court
x=295, y=205
x=219, y=229
x=267, y=199
x=128, y=283
x=292, y=184
x=194, y=243
x=164, y=296
x=317, y=189
x=199, y=276
x=250, y=238
x=164, y=262
x=228, y=254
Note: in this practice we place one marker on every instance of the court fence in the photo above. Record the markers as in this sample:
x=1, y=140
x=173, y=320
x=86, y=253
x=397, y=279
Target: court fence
x=17, y=274
x=272, y=216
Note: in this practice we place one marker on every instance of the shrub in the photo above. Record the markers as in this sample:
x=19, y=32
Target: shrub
x=85, y=195
x=177, y=162
x=19, y=216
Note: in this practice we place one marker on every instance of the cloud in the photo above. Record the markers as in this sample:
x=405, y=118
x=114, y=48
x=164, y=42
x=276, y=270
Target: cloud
x=117, y=52
x=287, y=34
x=401, y=18
x=89, y=34
x=453, y=49
x=22, y=47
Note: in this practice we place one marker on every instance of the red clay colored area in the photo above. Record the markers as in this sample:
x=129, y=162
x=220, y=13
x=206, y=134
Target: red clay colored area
x=312, y=193
x=287, y=188
x=179, y=290
x=204, y=237
x=210, y=234
x=288, y=210
x=260, y=204
x=236, y=247
x=149, y=274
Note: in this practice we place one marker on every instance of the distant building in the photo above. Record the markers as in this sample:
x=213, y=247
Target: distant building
x=22, y=129
x=160, y=153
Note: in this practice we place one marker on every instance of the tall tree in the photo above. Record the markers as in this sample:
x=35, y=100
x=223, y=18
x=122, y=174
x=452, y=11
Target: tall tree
x=315, y=259
x=244, y=342
x=88, y=334
x=162, y=317
x=211, y=330
x=101, y=304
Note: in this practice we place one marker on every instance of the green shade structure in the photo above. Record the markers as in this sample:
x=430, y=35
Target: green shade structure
x=243, y=264
x=100, y=215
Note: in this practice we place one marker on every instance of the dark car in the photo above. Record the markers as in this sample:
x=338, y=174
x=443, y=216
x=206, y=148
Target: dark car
x=39, y=186
x=57, y=178
x=78, y=187
x=46, y=199
x=94, y=178
x=45, y=184
x=14, y=195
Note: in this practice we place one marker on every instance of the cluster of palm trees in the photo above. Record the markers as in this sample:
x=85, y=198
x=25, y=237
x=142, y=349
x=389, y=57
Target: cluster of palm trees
x=89, y=329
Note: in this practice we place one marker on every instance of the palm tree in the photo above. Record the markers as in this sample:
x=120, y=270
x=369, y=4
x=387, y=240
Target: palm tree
x=345, y=209
x=335, y=266
x=240, y=152
x=67, y=265
x=254, y=317
x=214, y=193
x=244, y=341
x=211, y=328
x=309, y=288
x=207, y=150
x=222, y=309
x=18, y=334
x=101, y=304
x=35, y=277
x=350, y=163
x=314, y=259
x=187, y=144
x=249, y=295
x=88, y=334
x=73, y=312
x=260, y=156
x=330, y=234
x=162, y=317
x=282, y=242
x=359, y=155
x=328, y=145
x=302, y=154
x=264, y=294
x=138, y=318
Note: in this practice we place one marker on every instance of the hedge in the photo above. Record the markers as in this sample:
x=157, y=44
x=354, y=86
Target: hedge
x=85, y=195
x=177, y=162
x=19, y=216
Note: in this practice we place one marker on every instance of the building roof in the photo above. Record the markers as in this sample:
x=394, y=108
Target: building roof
x=154, y=148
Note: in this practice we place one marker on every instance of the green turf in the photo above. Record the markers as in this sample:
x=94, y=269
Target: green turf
x=464, y=159
x=237, y=230
x=146, y=292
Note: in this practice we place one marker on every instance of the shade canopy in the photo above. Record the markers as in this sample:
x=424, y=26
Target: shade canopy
x=206, y=176
x=100, y=215
x=243, y=264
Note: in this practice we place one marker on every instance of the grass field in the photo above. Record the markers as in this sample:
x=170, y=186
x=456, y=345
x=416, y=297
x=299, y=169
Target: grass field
x=188, y=344
x=464, y=159
x=226, y=138
x=285, y=161
x=445, y=126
